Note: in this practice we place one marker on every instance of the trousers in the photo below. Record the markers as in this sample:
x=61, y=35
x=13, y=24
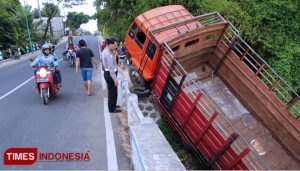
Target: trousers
x=112, y=91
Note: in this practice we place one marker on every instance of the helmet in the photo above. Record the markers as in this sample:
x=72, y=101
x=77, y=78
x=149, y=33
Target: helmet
x=45, y=46
x=52, y=46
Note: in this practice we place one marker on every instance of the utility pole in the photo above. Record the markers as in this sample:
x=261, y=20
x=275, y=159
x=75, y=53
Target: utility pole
x=27, y=24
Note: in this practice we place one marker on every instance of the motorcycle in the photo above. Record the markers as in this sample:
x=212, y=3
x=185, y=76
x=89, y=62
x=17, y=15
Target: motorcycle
x=45, y=85
x=71, y=55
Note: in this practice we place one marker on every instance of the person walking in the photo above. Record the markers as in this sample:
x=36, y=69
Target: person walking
x=110, y=74
x=85, y=58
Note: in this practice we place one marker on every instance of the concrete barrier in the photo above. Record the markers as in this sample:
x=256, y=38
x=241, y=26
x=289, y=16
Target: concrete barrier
x=149, y=148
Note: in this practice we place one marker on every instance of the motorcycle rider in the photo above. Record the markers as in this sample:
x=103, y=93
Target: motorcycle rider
x=46, y=59
x=57, y=73
x=70, y=39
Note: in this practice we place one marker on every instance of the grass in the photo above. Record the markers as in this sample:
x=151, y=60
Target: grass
x=124, y=133
x=186, y=157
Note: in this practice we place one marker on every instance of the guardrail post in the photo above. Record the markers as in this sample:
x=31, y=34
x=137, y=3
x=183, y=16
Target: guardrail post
x=27, y=49
x=37, y=46
x=19, y=51
x=10, y=53
x=33, y=48
x=1, y=56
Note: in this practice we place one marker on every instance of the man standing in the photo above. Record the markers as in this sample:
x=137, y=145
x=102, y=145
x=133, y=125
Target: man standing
x=110, y=74
x=86, y=58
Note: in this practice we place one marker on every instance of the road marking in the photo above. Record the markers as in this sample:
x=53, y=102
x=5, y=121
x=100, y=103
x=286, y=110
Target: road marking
x=15, y=89
x=112, y=163
x=19, y=86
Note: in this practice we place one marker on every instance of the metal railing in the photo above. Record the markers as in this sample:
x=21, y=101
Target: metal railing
x=204, y=104
x=276, y=84
x=181, y=27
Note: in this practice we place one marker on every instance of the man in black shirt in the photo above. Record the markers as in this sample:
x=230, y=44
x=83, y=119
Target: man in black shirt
x=86, y=58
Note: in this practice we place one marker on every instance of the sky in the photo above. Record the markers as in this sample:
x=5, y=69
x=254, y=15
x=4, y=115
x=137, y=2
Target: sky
x=88, y=9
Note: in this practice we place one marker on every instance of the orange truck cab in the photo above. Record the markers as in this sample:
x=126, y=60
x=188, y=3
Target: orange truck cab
x=227, y=104
x=143, y=43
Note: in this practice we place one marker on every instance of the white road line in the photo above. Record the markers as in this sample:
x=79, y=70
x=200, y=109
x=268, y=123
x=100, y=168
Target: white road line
x=15, y=89
x=112, y=163
x=19, y=86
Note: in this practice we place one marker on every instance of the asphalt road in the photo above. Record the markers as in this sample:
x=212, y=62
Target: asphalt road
x=72, y=122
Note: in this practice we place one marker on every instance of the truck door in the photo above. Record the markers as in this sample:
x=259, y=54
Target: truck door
x=135, y=43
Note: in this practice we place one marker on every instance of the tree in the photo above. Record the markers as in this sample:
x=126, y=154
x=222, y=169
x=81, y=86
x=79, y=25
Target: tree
x=13, y=31
x=36, y=13
x=76, y=19
x=51, y=9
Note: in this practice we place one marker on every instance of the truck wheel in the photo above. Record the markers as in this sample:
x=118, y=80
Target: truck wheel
x=44, y=96
x=142, y=93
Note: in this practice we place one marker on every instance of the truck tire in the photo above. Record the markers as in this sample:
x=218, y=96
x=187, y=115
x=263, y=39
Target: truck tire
x=142, y=93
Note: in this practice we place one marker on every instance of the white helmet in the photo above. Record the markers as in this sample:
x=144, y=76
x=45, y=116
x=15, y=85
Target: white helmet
x=44, y=47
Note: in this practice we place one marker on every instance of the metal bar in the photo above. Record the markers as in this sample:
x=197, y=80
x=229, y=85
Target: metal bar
x=292, y=102
x=244, y=54
x=206, y=127
x=250, y=64
x=192, y=109
x=238, y=159
x=260, y=69
x=275, y=84
x=278, y=91
x=225, y=55
x=222, y=34
x=224, y=147
x=182, y=22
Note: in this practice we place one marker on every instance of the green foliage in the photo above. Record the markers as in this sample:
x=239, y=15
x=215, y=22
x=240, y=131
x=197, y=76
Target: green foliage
x=271, y=27
x=76, y=19
x=13, y=30
x=50, y=10
x=185, y=156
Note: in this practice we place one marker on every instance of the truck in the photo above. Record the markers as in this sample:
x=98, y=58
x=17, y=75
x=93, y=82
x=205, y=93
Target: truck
x=228, y=105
